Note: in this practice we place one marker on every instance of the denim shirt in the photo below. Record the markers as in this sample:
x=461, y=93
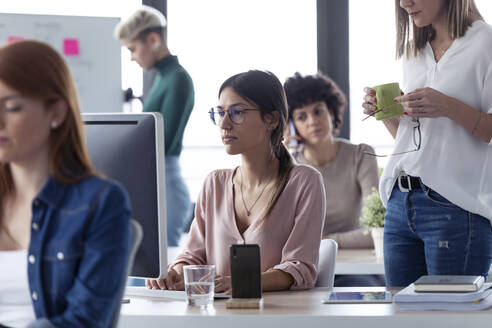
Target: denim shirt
x=78, y=253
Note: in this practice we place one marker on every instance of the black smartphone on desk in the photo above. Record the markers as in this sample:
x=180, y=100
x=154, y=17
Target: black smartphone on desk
x=245, y=271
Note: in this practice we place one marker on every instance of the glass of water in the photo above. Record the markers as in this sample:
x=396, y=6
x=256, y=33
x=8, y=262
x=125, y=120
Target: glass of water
x=199, y=284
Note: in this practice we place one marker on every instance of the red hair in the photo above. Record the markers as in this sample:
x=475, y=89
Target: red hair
x=37, y=71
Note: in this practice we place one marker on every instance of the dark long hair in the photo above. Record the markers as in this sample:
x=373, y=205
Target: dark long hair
x=264, y=89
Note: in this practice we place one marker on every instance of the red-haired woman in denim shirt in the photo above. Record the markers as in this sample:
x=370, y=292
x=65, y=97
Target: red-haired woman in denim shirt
x=64, y=232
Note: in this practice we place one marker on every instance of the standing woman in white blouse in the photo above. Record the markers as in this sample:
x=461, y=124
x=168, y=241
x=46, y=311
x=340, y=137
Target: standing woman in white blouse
x=436, y=185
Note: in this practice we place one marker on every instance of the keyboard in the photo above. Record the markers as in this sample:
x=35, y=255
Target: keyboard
x=164, y=294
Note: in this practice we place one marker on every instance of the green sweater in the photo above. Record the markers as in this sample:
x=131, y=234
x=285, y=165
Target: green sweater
x=172, y=95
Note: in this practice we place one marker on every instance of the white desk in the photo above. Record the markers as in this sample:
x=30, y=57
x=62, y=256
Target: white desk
x=293, y=309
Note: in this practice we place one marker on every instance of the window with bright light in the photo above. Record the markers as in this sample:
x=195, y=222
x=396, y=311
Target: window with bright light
x=131, y=73
x=216, y=39
x=372, y=62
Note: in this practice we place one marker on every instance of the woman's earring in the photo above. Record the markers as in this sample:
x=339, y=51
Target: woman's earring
x=54, y=125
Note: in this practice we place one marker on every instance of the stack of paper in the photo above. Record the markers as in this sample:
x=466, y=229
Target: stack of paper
x=409, y=299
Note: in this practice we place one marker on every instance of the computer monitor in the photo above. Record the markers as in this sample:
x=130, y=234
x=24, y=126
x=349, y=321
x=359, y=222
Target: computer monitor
x=129, y=148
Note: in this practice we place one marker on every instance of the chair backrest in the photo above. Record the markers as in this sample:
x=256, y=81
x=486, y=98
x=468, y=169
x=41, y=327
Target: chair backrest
x=137, y=235
x=326, y=263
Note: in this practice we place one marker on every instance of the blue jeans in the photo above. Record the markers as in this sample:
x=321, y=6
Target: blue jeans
x=178, y=202
x=424, y=234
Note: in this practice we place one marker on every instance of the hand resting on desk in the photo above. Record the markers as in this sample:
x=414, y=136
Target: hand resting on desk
x=271, y=280
x=175, y=281
x=223, y=284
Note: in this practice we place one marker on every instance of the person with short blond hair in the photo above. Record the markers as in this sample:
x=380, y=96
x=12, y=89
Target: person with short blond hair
x=172, y=95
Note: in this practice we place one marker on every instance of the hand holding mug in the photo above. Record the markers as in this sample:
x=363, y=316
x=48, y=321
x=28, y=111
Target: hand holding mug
x=380, y=101
x=370, y=101
x=386, y=106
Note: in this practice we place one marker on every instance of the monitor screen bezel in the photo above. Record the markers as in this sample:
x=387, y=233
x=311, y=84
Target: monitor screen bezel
x=160, y=174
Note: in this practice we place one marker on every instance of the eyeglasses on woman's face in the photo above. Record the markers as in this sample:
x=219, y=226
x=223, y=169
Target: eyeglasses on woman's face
x=236, y=114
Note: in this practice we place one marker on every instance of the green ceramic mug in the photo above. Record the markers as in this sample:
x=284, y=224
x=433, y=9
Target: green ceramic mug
x=386, y=107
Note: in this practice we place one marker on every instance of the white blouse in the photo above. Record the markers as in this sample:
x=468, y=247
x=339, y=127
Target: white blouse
x=451, y=161
x=16, y=308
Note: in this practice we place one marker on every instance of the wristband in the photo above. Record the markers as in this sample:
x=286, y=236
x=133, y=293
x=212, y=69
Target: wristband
x=477, y=122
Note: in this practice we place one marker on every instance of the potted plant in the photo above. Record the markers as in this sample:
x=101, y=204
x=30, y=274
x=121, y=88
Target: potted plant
x=373, y=213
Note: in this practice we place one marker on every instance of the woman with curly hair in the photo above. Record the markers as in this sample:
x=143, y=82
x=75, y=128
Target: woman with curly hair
x=316, y=106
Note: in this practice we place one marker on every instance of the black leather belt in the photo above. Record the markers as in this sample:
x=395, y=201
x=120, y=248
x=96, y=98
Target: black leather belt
x=407, y=183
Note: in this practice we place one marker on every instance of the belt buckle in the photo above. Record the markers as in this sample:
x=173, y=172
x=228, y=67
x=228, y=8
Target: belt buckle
x=403, y=189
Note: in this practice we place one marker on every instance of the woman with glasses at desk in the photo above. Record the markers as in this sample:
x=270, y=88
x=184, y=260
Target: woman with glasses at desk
x=437, y=185
x=268, y=200
x=64, y=231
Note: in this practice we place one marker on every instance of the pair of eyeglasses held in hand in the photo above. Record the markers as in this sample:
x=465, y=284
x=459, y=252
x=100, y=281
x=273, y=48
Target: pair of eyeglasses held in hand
x=236, y=114
x=377, y=111
x=417, y=140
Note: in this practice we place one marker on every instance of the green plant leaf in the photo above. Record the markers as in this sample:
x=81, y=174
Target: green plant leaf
x=373, y=211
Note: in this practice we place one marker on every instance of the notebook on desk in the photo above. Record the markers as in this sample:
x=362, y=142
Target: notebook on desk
x=164, y=294
x=409, y=299
x=442, y=283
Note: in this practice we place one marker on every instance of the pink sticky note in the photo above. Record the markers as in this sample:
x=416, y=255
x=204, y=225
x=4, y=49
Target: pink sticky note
x=14, y=38
x=71, y=47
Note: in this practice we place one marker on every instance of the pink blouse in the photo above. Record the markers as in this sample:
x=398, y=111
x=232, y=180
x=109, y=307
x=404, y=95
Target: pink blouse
x=289, y=238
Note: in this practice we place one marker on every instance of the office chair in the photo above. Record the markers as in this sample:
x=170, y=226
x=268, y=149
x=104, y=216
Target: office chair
x=189, y=218
x=137, y=234
x=326, y=263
